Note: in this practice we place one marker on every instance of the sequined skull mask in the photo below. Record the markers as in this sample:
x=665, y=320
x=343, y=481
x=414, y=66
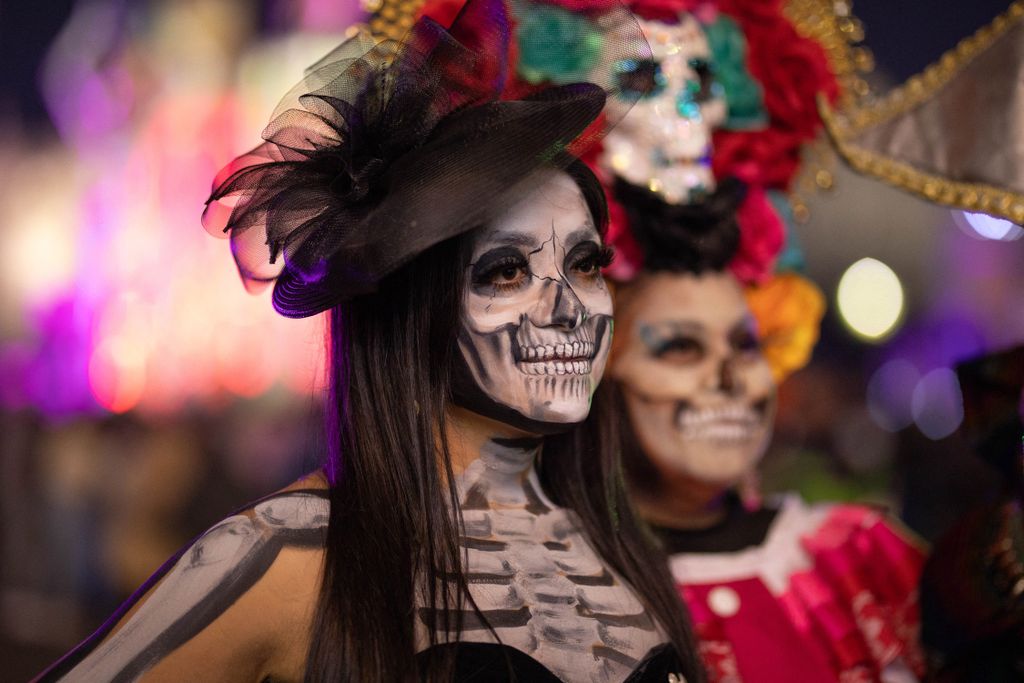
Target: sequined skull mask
x=664, y=143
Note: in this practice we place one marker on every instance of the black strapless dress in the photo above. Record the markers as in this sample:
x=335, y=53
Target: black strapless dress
x=494, y=663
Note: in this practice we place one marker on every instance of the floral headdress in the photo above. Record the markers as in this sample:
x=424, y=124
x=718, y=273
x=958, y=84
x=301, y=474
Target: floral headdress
x=772, y=76
x=386, y=149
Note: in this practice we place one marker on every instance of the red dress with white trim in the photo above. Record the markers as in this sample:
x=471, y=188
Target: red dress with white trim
x=828, y=594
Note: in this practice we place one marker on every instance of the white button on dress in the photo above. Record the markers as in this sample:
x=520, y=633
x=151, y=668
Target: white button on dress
x=723, y=601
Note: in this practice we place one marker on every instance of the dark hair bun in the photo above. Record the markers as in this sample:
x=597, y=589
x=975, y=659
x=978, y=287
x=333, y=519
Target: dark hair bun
x=684, y=238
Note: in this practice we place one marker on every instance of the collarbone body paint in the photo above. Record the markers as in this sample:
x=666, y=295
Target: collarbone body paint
x=536, y=580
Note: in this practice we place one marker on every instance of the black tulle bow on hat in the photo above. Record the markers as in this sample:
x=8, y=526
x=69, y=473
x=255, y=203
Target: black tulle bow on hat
x=386, y=149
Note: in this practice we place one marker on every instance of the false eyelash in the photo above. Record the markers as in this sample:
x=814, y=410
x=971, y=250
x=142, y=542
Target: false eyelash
x=482, y=274
x=605, y=256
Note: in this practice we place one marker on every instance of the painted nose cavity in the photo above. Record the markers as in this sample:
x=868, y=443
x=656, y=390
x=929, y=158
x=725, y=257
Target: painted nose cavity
x=727, y=380
x=558, y=306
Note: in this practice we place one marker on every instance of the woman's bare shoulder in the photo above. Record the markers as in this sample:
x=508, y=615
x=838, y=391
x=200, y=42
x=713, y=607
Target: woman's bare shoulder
x=236, y=604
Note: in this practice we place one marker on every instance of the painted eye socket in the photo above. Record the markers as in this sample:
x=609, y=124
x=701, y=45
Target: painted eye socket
x=678, y=350
x=589, y=258
x=746, y=341
x=503, y=270
x=703, y=89
x=639, y=78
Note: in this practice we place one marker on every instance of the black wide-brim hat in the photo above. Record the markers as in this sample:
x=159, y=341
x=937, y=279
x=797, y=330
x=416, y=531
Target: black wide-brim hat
x=387, y=149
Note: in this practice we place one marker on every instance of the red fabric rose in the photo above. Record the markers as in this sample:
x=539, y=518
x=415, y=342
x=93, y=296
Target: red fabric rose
x=768, y=157
x=663, y=10
x=444, y=13
x=792, y=69
x=659, y=10
x=441, y=11
x=761, y=238
x=584, y=6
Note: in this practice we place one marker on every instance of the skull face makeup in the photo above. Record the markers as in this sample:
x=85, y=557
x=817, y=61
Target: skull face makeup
x=665, y=142
x=537, y=319
x=699, y=392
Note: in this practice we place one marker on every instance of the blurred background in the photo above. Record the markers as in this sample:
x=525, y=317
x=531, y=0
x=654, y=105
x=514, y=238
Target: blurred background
x=144, y=394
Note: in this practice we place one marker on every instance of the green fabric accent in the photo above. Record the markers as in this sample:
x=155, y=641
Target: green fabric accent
x=792, y=256
x=743, y=95
x=557, y=46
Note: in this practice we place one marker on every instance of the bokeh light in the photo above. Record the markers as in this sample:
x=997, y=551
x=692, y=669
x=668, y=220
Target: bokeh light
x=890, y=394
x=938, y=404
x=870, y=299
x=988, y=227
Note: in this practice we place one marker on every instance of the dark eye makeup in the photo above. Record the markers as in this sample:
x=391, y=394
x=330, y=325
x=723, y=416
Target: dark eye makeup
x=672, y=344
x=639, y=78
x=706, y=78
x=678, y=348
x=503, y=267
x=588, y=258
x=745, y=338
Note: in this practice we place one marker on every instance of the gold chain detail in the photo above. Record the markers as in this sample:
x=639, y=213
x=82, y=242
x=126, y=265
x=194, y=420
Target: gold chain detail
x=831, y=24
x=923, y=86
x=391, y=19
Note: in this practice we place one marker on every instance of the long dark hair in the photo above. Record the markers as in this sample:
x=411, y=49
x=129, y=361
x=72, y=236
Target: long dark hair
x=392, y=535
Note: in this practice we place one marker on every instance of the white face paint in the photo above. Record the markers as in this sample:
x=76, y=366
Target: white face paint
x=664, y=143
x=699, y=392
x=536, y=320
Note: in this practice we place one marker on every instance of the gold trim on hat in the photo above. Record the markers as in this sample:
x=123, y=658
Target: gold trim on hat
x=846, y=122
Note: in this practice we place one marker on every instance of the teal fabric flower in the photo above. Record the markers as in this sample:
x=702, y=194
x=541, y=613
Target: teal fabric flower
x=556, y=46
x=792, y=256
x=743, y=95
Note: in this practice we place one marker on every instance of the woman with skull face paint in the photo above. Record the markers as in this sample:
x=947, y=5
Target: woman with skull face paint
x=457, y=246
x=777, y=592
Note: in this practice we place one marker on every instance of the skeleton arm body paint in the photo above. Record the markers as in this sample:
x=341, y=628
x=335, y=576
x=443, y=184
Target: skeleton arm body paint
x=202, y=585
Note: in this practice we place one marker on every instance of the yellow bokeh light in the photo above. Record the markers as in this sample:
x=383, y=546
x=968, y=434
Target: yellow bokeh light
x=870, y=299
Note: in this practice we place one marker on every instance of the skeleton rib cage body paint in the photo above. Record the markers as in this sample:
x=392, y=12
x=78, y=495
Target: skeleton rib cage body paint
x=536, y=580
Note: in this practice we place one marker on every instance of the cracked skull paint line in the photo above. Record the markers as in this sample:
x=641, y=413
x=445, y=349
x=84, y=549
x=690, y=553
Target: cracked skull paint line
x=537, y=315
x=698, y=390
x=664, y=143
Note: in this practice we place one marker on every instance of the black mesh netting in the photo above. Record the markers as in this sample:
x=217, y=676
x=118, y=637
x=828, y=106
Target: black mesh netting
x=384, y=150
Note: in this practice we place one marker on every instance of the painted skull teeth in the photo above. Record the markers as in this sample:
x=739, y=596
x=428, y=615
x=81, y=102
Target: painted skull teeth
x=574, y=367
x=571, y=351
x=721, y=423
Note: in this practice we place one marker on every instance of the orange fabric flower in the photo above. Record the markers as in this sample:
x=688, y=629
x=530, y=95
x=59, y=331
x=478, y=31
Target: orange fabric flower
x=788, y=309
